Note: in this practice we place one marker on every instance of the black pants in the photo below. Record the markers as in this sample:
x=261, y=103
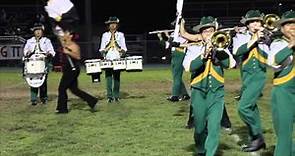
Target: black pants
x=69, y=80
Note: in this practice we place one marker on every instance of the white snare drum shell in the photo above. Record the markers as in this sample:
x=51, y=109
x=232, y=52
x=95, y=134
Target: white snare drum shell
x=93, y=66
x=134, y=63
x=119, y=64
x=104, y=64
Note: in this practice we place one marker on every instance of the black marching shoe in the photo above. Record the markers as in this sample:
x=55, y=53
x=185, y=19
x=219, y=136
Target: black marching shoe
x=173, y=98
x=61, y=111
x=255, y=145
x=184, y=98
x=34, y=103
x=93, y=107
x=117, y=100
x=110, y=100
x=44, y=101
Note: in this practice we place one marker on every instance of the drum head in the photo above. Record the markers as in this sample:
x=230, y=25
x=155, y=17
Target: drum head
x=35, y=81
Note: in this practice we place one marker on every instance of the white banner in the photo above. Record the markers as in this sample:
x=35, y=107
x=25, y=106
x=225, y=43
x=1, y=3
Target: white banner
x=11, y=52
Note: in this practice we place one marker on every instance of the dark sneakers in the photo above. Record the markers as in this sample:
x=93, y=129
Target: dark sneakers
x=184, y=98
x=44, y=101
x=117, y=100
x=110, y=100
x=34, y=103
x=94, y=106
x=173, y=98
x=61, y=111
x=178, y=98
x=255, y=145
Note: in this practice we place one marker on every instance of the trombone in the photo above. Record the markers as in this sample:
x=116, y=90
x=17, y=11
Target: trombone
x=269, y=25
x=270, y=21
x=219, y=40
x=270, y=28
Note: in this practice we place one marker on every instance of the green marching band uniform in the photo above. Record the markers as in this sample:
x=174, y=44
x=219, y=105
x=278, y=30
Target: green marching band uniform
x=37, y=44
x=254, y=61
x=179, y=91
x=108, y=39
x=281, y=58
x=207, y=88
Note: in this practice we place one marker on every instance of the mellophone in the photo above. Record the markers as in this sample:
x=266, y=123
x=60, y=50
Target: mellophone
x=94, y=67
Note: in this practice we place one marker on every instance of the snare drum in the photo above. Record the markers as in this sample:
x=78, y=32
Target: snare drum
x=119, y=64
x=35, y=64
x=93, y=66
x=134, y=63
x=104, y=64
x=35, y=70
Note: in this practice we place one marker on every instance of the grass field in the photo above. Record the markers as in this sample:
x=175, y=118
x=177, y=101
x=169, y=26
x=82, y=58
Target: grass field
x=143, y=124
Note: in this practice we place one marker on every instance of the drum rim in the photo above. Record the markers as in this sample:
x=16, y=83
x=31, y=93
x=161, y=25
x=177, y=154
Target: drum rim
x=92, y=60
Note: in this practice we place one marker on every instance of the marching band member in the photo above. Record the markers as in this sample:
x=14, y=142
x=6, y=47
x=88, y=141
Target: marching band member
x=254, y=54
x=69, y=79
x=39, y=44
x=196, y=39
x=63, y=15
x=206, y=64
x=112, y=47
x=281, y=58
x=179, y=92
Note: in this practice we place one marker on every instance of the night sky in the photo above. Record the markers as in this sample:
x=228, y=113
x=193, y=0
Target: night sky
x=136, y=16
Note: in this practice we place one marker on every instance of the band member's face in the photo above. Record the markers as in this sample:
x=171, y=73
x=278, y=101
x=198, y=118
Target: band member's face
x=288, y=30
x=207, y=33
x=254, y=26
x=113, y=26
x=38, y=33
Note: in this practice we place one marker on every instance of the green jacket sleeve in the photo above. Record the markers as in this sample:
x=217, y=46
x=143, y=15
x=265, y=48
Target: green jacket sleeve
x=282, y=55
